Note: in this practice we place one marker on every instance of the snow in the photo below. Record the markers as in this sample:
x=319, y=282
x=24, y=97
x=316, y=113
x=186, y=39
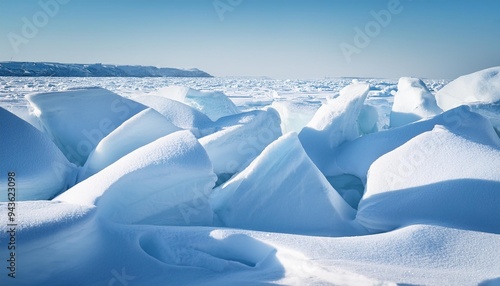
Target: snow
x=333, y=123
x=179, y=114
x=41, y=170
x=214, y=104
x=147, y=218
x=240, y=139
x=283, y=191
x=165, y=182
x=476, y=88
x=141, y=129
x=355, y=157
x=77, y=119
x=416, y=184
x=412, y=102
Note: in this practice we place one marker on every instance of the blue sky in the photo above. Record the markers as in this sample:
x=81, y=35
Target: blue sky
x=276, y=38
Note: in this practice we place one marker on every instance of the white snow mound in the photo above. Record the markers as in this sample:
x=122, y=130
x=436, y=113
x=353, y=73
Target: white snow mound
x=215, y=104
x=41, y=170
x=479, y=87
x=141, y=129
x=334, y=123
x=240, y=139
x=166, y=182
x=283, y=191
x=412, y=102
x=417, y=183
x=77, y=119
x=180, y=114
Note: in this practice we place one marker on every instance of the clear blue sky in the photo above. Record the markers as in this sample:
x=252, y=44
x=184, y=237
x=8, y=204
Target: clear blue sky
x=276, y=38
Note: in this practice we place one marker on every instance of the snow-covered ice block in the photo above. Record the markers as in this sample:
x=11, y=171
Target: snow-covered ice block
x=141, y=129
x=41, y=170
x=294, y=114
x=368, y=119
x=446, y=177
x=412, y=102
x=355, y=157
x=180, y=114
x=166, y=182
x=77, y=119
x=480, y=87
x=334, y=123
x=283, y=191
x=215, y=104
x=240, y=139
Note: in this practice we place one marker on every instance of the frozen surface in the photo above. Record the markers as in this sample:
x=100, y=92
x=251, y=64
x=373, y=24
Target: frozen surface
x=115, y=227
x=412, y=102
x=78, y=119
x=159, y=183
x=41, y=170
x=141, y=129
x=283, y=191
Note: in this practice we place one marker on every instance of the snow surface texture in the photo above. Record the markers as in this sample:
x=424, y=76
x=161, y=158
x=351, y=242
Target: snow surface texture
x=82, y=242
x=240, y=139
x=141, y=129
x=78, y=119
x=283, y=191
x=412, y=102
x=165, y=182
x=41, y=170
x=333, y=124
x=214, y=104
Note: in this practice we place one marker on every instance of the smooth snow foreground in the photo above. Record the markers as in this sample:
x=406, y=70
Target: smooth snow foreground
x=148, y=190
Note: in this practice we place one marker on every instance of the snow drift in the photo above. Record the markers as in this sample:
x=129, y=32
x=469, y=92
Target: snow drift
x=412, y=102
x=283, y=191
x=334, y=123
x=41, y=170
x=166, y=182
x=214, y=104
x=415, y=183
x=141, y=129
x=240, y=139
x=77, y=119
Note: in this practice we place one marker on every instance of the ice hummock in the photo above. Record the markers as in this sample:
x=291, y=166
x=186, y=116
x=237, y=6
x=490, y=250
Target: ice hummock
x=412, y=102
x=141, y=129
x=215, y=104
x=283, y=191
x=41, y=170
x=77, y=119
x=334, y=123
x=166, y=182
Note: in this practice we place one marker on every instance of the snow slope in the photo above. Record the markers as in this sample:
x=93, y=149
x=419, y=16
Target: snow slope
x=416, y=184
x=166, y=182
x=282, y=191
x=78, y=119
x=141, y=129
x=41, y=170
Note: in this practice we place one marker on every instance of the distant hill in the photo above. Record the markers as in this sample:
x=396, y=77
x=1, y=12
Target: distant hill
x=92, y=70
